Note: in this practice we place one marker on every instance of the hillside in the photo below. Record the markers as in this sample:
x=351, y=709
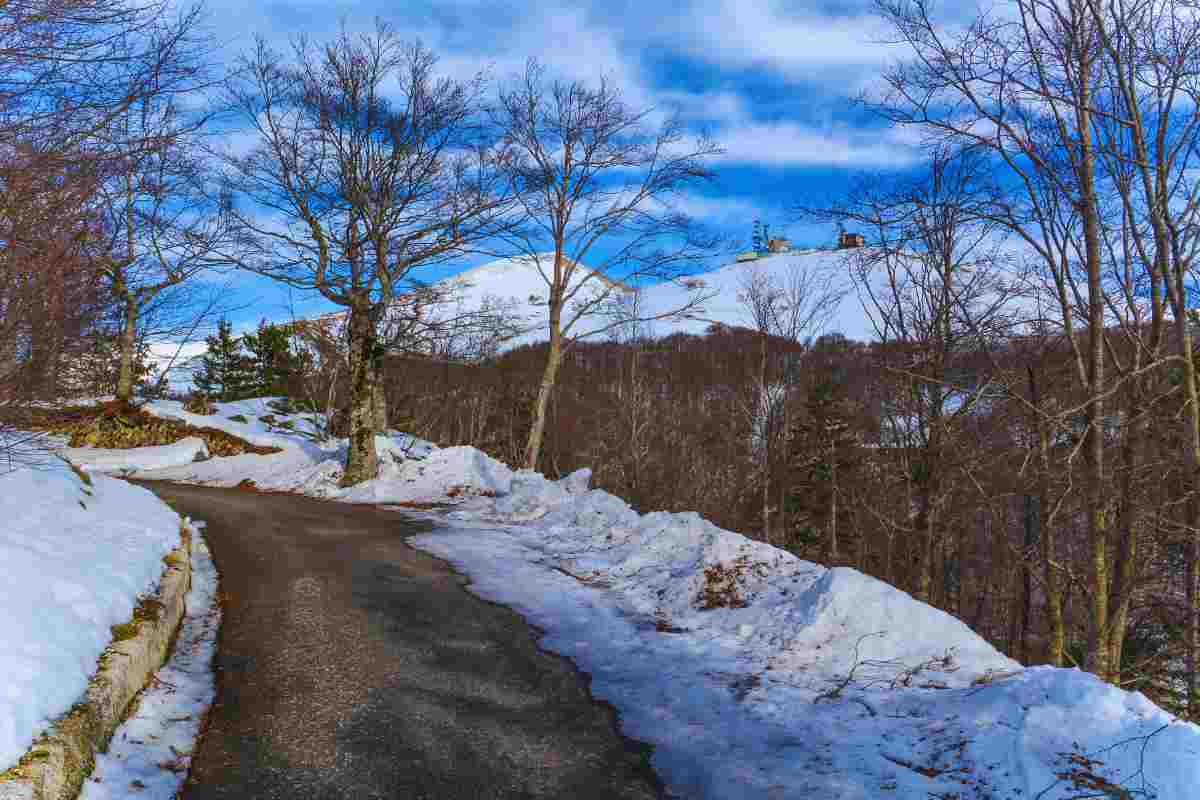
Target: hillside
x=515, y=285
x=513, y=281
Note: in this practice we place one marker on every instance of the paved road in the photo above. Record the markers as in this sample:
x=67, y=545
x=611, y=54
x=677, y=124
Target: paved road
x=350, y=665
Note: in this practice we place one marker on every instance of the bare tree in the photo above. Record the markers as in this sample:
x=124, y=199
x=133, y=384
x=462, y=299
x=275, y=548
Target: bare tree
x=930, y=285
x=73, y=68
x=161, y=228
x=596, y=182
x=789, y=308
x=163, y=231
x=367, y=167
x=1078, y=101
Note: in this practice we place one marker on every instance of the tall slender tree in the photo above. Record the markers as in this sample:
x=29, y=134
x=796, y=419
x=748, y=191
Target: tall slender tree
x=596, y=180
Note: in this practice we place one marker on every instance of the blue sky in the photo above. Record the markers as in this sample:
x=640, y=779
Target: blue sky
x=773, y=83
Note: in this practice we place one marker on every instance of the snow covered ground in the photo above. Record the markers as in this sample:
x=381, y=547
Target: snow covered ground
x=75, y=560
x=96, y=459
x=755, y=674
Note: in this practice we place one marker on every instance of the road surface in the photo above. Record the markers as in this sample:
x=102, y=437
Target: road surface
x=350, y=665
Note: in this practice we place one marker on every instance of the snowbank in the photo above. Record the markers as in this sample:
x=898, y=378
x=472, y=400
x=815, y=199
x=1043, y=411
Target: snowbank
x=95, y=459
x=411, y=470
x=76, y=558
x=757, y=674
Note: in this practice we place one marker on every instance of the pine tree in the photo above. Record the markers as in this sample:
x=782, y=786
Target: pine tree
x=272, y=361
x=825, y=452
x=225, y=372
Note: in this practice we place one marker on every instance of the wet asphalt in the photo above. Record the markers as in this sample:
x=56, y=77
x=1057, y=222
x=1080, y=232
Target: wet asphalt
x=350, y=665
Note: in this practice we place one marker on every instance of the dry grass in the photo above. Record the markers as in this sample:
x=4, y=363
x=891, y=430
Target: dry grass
x=115, y=426
x=721, y=589
x=148, y=608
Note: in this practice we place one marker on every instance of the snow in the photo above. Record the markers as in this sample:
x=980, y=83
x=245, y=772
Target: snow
x=737, y=700
x=95, y=459
x=255, y=429
x=726, y=285
x=519, y=287
x=753, y=673
x=76, y=558
x=151, y=751
x=411, y=471
x=513, y=281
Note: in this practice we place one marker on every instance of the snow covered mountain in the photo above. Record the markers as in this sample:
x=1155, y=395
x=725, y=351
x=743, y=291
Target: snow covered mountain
x=517, y=285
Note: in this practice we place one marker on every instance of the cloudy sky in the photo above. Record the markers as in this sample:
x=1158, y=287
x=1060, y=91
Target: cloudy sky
x=772, y=82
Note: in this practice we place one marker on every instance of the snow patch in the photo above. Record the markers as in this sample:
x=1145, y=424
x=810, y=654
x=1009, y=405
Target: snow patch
x=95, y=459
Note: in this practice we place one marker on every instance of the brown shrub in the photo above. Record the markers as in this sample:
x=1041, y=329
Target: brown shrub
x=720, y=588
x=198, y=403
x=115, y=426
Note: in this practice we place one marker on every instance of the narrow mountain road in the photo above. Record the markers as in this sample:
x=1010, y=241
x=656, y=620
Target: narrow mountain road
x=350, y=665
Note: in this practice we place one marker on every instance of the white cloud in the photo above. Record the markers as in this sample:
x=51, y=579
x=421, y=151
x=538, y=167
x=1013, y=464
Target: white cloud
x=759, y=33
x=717, y=210
x=789, y=144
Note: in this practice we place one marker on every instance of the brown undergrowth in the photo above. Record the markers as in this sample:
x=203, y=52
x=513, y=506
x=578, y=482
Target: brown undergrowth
x=722, y=583
x=113, y=425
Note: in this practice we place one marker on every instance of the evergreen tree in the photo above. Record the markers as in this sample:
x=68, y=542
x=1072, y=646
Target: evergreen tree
x=271, y=359
x=825, y=452
x=225, y=370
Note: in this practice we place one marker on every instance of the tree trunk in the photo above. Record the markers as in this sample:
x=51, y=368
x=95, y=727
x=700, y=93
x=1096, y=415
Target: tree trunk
x=765, y=410
x=1051, y=578
x=533, y=448
x=379, y=408
x=362, y=459
x=925, y=546
x=1032, y=535
x=833, y=507
x=1183, y=341
x=1125, y=566
x=128, y=343
x=1099, y=651
x=928, y=491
